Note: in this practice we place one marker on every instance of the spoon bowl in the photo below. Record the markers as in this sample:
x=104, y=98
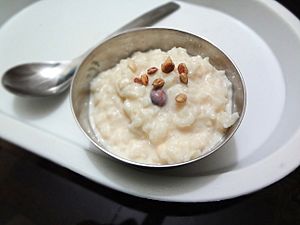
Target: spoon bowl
x=39, y=79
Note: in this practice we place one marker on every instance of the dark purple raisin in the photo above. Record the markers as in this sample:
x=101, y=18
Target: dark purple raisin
x=158, y=97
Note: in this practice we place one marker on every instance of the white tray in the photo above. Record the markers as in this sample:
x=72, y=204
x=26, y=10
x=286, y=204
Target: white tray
x=263, y=39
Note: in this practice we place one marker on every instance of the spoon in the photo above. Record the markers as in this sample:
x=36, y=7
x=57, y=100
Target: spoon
x=44, y=79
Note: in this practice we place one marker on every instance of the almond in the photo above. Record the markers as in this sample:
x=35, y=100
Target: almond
x=158, y=83
x=168, y=66
x=137, y=80
x=181, y=98
x=182, y=69
x=152, y=70
x=145, y=79
x=184, y=78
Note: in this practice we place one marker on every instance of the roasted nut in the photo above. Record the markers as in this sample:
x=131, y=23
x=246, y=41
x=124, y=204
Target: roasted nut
x=158, y=83
x=182, y=69
x=168, y=66
x=152, y=70
x=158, y=97
x=144, y=79
x=137, y=80
x=183, y=78
x=181, y=98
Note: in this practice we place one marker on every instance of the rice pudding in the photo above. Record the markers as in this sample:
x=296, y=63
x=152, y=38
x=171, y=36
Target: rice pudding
x=161, y=107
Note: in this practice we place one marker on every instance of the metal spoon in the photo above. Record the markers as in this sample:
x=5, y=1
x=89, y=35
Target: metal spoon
x=52, y=78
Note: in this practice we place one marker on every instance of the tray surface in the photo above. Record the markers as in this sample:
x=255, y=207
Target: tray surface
x=258, y=155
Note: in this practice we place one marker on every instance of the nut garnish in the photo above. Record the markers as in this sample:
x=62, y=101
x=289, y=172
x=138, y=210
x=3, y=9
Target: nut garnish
x=183, y=78
x=182, y=69
x=137, y=80
x=152, y=70
x=168, y=66
x=145, y=79
x=181, y=98
x=158, y=83
x=132, y=66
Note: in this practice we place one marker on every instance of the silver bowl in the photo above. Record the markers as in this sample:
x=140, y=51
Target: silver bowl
x=107, y=54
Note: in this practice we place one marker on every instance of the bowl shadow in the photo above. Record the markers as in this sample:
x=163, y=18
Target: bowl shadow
x=165, y=181
x=222, y=160
x=141, y=181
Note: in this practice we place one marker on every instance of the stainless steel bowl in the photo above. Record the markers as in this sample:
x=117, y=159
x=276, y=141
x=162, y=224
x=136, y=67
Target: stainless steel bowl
x=107, y=54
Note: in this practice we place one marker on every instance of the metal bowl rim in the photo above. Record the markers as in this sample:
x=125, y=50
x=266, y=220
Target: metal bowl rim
x=145, y=165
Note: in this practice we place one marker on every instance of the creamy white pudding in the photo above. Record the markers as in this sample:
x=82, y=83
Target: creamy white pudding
x=161, y=107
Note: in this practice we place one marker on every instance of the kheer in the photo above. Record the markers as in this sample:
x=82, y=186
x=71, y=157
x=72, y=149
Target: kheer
x=196, y=111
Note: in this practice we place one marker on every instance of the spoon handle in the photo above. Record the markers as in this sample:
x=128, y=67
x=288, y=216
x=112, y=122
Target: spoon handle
x=145, y=20
x=151, y=17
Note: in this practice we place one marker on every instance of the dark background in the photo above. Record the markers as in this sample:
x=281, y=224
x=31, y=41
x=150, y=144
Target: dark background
x=34, y=191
